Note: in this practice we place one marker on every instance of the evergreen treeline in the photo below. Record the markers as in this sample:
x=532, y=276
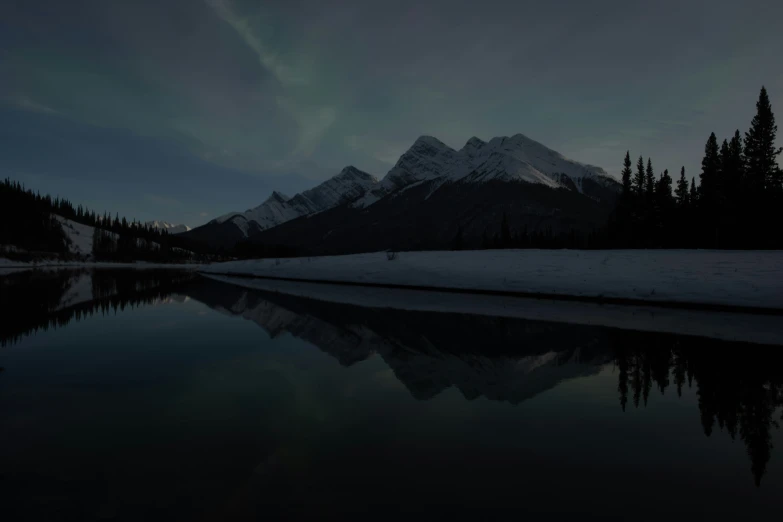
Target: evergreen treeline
x=734, y=204
x=27, y=222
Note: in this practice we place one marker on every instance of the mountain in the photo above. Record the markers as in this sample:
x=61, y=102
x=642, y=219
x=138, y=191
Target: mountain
x=432, y=195
x=435, y=194
x=517, y=158
x=347, y=186
x=168, y=227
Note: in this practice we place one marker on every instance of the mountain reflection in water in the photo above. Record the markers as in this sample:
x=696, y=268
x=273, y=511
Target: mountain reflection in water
x=739, y=386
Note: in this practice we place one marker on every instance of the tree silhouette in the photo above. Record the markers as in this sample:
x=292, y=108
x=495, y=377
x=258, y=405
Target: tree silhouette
x=682, y=189
x=649, y=180
x=638, y=180
x=760, y=151
x=739, y=394
x=626, y=175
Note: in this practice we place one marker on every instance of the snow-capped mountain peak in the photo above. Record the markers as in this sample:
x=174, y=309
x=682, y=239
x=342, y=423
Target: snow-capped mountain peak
x=168, y=227
x=350, y=184
x=521, y=158
x=277, y=197
x=473, y=146
x=515, y=158
x=430, y=162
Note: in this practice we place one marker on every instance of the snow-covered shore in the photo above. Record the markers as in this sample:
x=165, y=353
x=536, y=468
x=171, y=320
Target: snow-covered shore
x=727, y=326
x=742, y=279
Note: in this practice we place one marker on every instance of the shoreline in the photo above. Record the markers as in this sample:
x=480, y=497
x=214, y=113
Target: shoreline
x=719, y=281
x=599, y=300
x=740, y=326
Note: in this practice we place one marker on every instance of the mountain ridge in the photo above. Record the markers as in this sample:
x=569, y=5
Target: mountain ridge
x=279, y=208
x=428, y=167
x=168, y=227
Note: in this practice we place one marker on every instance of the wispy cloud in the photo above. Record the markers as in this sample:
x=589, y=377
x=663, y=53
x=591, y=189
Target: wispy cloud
x=313, y=123
x=26, y=103
x=285, y=73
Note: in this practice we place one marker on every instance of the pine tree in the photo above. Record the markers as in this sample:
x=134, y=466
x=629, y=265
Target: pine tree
x=760, y=152
x=649, y=180
x=626, y=175
x=735, y=165
x=663, y=190
x=638, y=180
x=694, y=195
x=710, y=172
x=682, y=189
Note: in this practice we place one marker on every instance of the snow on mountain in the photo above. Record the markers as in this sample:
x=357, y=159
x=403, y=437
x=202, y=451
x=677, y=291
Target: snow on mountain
x=429, y=160
x=80, y=236
x=349, y=185
x=517, y=158
x=168, y=227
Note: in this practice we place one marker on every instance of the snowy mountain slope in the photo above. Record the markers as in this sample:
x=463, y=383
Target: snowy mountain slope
x=168, y=227
x=350, y=184
x=517, y=158
x=80, y=236
x=431, y=192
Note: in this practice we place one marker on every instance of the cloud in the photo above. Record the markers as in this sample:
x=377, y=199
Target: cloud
x=285, y=73
x=26, y=103
x=313, y=123
x=203, y=214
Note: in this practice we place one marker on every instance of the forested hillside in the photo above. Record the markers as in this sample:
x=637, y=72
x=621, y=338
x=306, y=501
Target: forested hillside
x=30, y=230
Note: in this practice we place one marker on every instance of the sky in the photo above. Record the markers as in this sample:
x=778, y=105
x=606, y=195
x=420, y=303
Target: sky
x=184, y=110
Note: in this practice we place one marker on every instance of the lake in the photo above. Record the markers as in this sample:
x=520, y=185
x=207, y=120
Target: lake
x=164, y=395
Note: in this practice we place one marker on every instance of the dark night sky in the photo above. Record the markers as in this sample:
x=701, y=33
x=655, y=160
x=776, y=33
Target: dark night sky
x=186, y=109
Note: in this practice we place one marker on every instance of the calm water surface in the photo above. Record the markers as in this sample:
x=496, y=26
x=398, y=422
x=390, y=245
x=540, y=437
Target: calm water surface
x=154, y=395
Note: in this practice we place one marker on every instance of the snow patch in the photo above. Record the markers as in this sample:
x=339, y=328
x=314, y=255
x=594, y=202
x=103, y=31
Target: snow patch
x=80, y=236
x=752, y=328
x=731, y=278
x=517, y=158
x=350, y=184
x=168, y=227
x=79, y=291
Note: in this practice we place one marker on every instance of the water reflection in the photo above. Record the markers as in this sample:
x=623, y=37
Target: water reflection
x=739, y=391
x=739, y=386
x=34, y=300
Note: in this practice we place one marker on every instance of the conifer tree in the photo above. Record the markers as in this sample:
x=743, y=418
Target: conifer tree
x=760, y=151
x=735, y=165
x=694, y=195
x=663, y=190
x=638, y=180
x=649, y=180
x=626, y=175
x=710, y=172
x=682, y=189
